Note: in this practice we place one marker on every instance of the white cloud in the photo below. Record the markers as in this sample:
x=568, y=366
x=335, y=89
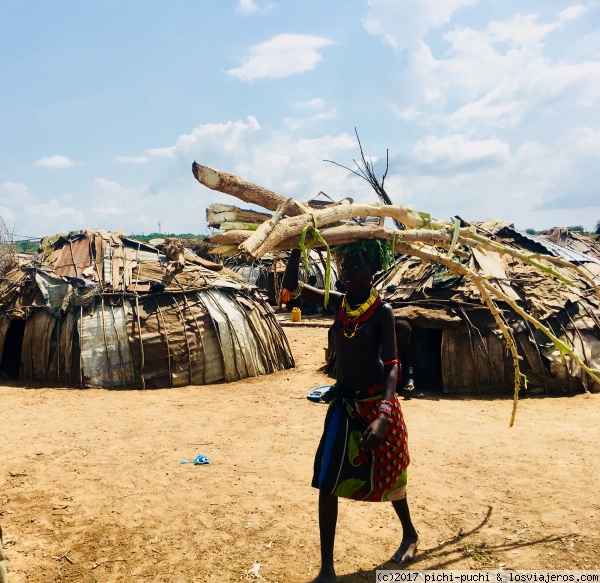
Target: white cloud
x=496, y=78
x=7, y=215
x=57, y=161
x=111, y=199
x=457, y=154
x=15, y=193
x=161, y=152
x=132, y=159
x=294, y=124
x=54, y=211
x=403, y=24
x=281, y=56
x=311, y=104
x=218, y=137
x=271, y=158
x=572, y=12
x=246, y=7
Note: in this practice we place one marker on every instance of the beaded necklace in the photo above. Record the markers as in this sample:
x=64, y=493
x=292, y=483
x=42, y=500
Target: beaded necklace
x=351, y=321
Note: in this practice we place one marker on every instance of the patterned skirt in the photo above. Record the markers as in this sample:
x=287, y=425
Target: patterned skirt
x=343, y=468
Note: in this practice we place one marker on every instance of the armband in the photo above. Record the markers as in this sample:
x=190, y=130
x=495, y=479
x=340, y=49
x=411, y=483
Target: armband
x=298, y=290
x=386, y=407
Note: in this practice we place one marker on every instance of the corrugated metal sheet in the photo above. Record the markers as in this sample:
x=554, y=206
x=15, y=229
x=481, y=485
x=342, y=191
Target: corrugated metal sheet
x=72, y=258
x=560, y=250
x=105, y=355
x=236, y=336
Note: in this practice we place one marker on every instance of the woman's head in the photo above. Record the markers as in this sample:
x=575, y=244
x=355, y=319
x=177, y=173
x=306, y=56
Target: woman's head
x=361, y=260
x=357, y=271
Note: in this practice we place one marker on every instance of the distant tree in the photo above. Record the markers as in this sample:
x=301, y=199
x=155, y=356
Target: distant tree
x=8, y=253
x=531, y=231
x=597, y=231
x=145, y=238
x=576, y=228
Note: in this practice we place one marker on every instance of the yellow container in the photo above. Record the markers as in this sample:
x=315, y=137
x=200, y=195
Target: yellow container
x=296, y=315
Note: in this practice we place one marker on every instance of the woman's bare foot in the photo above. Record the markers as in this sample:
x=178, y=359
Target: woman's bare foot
x=407, y=550
x=325, y=576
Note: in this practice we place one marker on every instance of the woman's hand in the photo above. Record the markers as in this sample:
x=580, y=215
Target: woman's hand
x=373, y=436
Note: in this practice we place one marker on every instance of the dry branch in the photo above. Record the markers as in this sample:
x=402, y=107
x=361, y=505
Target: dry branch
x=263, y=241
x=427, y=239
x=218, y=215
x=246, y=191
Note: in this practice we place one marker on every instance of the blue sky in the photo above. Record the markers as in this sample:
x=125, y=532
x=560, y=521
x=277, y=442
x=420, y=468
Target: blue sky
x=489, y=109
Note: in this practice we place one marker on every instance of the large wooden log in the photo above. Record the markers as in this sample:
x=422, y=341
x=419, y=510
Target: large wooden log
x=246, y=191
x=223, y=214
x=342, y=234
x=264, y=240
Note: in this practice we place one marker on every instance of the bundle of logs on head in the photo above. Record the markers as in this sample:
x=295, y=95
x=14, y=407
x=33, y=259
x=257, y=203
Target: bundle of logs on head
x=431, y=240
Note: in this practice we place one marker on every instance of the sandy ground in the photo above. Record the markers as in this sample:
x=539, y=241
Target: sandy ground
x=92, y=489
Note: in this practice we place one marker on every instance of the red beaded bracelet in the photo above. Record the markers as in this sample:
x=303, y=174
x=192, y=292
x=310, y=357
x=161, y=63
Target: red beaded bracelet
x=386, y=408
x=385, y=362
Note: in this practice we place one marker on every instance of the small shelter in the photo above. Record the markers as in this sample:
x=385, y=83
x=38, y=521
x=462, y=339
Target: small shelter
x=457, y=346
x=267, y=272
x=95, y=308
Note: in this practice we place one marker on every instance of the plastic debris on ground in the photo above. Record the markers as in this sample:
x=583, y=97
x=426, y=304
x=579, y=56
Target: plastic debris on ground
x=199, y=460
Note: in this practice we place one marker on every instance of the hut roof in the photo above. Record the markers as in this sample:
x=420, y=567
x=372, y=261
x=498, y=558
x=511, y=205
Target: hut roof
x=101, y=309
x=572, y=240
x=425, y=294
x=96, y=262
x=541, y=294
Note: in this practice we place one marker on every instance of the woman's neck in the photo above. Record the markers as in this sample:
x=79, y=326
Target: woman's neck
x=358, y=296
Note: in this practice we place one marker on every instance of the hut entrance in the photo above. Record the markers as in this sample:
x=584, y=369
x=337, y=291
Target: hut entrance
x=11, y=355
x=427, y=350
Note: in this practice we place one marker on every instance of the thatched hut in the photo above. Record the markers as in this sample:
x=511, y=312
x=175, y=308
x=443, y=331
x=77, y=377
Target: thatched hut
x=267, y=272
x=456, y=344
x=99, y=309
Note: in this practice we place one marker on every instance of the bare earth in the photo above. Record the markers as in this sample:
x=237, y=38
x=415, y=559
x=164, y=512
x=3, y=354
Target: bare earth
x=92, y=489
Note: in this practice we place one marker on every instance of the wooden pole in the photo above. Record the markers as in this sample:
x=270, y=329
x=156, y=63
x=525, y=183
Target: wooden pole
x=246, y=191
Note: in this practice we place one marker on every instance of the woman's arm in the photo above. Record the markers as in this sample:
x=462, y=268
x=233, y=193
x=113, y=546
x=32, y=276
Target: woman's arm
x=308, y=293
x=389, y=352
x=374, y=434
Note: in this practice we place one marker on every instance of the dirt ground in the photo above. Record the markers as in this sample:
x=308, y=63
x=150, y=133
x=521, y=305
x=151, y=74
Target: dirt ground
x=92, y=488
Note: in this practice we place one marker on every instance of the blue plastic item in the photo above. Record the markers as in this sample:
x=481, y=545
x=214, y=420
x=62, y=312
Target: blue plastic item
x=199, y=460
x=316, y=394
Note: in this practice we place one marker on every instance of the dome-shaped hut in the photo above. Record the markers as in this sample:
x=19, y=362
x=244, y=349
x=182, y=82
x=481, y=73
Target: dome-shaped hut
x=99, y=309
x=266, y=273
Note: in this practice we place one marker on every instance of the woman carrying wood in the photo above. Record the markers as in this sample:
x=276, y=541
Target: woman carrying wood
x=363, y=453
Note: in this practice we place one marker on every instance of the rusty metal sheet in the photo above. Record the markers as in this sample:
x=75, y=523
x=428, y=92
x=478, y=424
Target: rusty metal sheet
x=59, y=362
x=73, y=258
x=105, y=355
x=36, y=345
x=235, y=334
x=178, y=342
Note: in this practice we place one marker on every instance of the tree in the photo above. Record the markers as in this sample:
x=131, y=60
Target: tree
x=597, y=231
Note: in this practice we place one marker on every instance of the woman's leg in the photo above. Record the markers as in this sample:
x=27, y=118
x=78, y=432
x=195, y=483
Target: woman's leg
x=328, y=513
x=410, y=537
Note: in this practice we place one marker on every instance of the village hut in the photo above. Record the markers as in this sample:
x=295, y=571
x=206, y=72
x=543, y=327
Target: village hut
x=95, y=308
x=574, y=241
x=456, y=345
x=267, y=272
